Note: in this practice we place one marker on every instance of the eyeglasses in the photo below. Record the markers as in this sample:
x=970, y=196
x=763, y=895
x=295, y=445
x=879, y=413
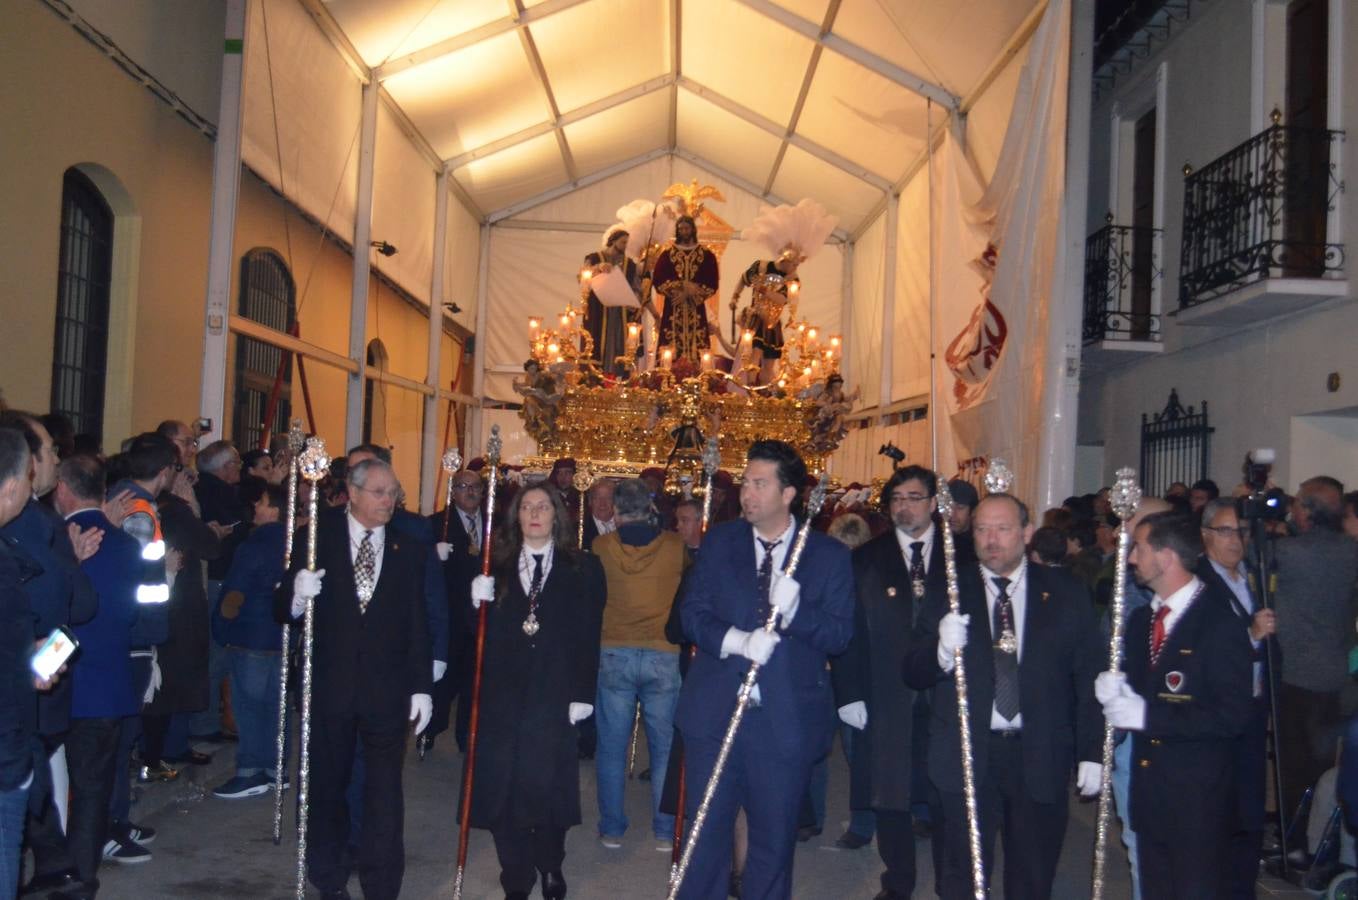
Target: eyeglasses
x=1226, y=531
x=910, y=498
x=539, y=508
x=467, y=487
x=390, y=493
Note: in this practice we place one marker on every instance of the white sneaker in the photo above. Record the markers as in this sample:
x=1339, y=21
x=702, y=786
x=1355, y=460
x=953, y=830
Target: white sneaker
x=612, y=843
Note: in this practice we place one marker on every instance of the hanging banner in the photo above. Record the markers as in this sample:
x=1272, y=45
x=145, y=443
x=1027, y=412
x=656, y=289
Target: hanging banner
x=994, y=262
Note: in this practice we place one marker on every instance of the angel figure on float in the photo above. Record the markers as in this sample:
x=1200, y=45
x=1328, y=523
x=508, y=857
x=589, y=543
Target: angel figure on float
x=831, y=406
x=542, y=395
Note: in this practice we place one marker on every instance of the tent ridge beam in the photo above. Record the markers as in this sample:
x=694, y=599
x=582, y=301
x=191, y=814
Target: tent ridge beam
x=470, y=38
x=530, y=49
x=849, y=50
x=823, y=154
x=603, y=104
x=331, y=28
x=676, y=68
x=826, y=24
x=575, y=184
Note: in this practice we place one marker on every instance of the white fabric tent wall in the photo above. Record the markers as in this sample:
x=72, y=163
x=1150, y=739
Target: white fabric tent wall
x=404, y=196
x=317, y=100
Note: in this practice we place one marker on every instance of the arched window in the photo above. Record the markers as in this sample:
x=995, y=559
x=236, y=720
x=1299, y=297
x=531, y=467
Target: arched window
x=84, y=270
x=263, y=372
x=374, y=398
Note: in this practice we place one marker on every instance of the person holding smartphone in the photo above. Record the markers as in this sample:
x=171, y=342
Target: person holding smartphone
x=18, y=711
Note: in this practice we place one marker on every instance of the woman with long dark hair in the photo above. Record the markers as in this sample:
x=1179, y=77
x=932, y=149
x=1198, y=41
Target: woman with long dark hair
x=540, y=670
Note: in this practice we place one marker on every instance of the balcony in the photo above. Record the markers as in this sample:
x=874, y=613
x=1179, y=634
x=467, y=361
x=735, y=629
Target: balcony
x=1260, y=229
x=1122, y=287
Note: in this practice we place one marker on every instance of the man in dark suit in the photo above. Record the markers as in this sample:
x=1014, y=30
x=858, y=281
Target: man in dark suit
x=1222, y=564
x=460, y=553
x=103, y=692
x=789, y=725
x=599, y=511
x=1031, y=650
x=60, y=594
x=372, y=673
x=891, y=575
x=1186, y=698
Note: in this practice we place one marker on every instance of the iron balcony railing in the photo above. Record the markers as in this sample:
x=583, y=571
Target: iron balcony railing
x=1259, y=212
x=1122, y=265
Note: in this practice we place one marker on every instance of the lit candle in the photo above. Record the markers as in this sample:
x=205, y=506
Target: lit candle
x=707, y=360
x=834, y=340
x=811, y=333
x=633, y=329
x=534, y=324
x=586, y=273
x=748, y=336
x=666, y=357
x=793, y=287
x=565, y=321
x=554, y=348
x=801, y=326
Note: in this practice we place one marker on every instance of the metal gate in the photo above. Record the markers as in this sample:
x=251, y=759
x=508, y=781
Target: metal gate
x=1175, y=444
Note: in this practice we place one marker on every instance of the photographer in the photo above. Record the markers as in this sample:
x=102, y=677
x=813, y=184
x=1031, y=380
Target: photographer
x=1315, y=576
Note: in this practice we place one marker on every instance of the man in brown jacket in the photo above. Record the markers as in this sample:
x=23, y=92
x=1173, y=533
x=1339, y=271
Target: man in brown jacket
x=643, y=566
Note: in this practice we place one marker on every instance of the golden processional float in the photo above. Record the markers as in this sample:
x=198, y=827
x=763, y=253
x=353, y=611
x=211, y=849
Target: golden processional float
x=655, y=405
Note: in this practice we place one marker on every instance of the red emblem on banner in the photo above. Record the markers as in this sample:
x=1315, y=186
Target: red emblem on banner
x=975, y=352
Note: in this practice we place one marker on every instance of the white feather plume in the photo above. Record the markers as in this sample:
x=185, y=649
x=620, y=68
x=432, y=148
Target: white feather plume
x=803, y=227
x=646, y=223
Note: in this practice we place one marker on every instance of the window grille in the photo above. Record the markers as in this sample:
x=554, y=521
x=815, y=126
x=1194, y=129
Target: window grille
x=84, y=271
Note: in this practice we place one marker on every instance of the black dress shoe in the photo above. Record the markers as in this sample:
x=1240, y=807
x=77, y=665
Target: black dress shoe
x=885, y=894
x=806, y=833
x=733, y=888
x=852, y=840
x=516, y=895
x=337, y=894
x=553, y=886
x=64, y=878
x=81, y=890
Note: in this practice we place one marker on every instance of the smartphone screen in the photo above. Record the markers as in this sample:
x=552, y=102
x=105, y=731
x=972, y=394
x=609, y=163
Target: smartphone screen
x=53, y=653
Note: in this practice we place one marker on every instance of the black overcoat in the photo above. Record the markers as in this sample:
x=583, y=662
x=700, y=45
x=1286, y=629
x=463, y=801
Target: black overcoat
x=183, y=657
x=527, y=759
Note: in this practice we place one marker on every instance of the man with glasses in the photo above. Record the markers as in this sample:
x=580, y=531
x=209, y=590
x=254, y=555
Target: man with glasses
x=888, y=759
x=460, y=553
x=1224, y=542
x=372, y=675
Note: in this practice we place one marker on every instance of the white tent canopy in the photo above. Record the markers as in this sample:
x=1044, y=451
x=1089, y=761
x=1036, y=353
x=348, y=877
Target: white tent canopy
x=541, y=117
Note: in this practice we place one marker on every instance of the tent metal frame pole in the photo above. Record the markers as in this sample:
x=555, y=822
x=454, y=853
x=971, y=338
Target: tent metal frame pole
x=825, y=155
x=1061, y=386
x=429, y=433
x=358, y=302
x=865, y=58
x=934, y=412
x=893, y=214
x=479, y=359
x=226, y=162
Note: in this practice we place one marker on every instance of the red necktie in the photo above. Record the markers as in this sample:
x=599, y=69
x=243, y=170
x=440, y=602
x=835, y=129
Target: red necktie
x=1158, y=632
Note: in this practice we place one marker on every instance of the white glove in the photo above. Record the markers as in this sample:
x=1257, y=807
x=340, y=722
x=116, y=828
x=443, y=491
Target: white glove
x=1087, y=777
x=579, y=712
x=785, y=595
x=443, y=548
x=483, y=590
x=756, y=646
x=855, y=714
x=1108, y=685
x=952, y=635
x=154, y=684
x=440, y=669
x=1127, y=710
x=305, y=586
x=421, y=711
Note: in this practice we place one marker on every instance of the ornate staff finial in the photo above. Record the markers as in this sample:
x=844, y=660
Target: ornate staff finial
x=296, y=437
x=314, y=461
x=1126, y=494
x=944, y=498
x=493, y=446
x=711, y=458
x=817, y=498
x=452, y=460
x=583, y=479
x=998, y=477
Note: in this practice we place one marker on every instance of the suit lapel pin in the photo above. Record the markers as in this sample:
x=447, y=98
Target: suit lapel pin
x=891, y=591
x=1174, y=681
x=1045, y=595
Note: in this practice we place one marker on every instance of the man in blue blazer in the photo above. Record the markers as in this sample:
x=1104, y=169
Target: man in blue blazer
x=101, y=676
x=736, y=584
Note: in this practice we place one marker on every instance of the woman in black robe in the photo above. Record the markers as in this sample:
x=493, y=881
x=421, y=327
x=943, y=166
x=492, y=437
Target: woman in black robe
x=539, y=677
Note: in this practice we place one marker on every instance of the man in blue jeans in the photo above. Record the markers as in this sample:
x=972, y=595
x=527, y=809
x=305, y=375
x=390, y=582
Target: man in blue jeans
x=643, y=566
x=243, y=621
